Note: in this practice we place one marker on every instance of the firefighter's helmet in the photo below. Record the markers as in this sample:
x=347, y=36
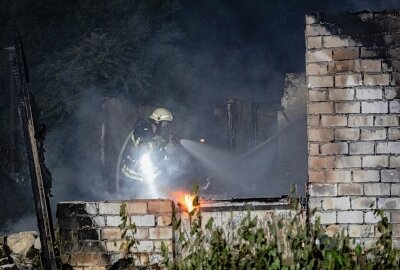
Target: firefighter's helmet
x=161, y=114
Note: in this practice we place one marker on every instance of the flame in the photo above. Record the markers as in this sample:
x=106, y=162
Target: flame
x=189, y=202
x=184, y=200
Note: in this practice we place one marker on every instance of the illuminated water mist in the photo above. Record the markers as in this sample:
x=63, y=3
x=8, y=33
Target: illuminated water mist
x=216, y=160
x=252, y=174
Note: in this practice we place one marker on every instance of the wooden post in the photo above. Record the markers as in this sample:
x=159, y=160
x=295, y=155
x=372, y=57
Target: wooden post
x=42, y=205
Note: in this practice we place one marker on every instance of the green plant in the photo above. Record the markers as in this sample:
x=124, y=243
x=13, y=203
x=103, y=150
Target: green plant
x=128, y=231
x=285, y=244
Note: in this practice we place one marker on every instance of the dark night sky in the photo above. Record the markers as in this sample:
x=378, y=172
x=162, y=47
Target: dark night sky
x=266, y=38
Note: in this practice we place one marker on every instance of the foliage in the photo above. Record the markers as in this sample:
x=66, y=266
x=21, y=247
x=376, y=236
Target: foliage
x=128, y=231
x=284, y=245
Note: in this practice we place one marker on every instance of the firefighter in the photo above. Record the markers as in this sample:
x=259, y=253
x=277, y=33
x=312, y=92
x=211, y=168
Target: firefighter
x=149, y=138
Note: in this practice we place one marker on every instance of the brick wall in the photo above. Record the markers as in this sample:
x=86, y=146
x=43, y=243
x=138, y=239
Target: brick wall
x=90, y=237
x=352, y=64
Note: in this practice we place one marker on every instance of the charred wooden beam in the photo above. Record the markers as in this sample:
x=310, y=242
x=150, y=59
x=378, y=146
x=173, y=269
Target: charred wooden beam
x=34, y=153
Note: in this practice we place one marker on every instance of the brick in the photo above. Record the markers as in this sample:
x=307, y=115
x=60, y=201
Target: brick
x=168, y=243
x=323, y=190
x=396, y=230
x=350, y=189
x=142, y=259
x=350, y=217
x=394, y=162
x=313, y=120
x=393, y=53
x=76, y=222
x=369, y=93
x=386, y=120
x=341, y=94
x=90, y=246
x=376, y=79
x=348, y=162
x=164, y=221
x=394, y=106
x=335, y=41
x=395, y=217
x=392, y=92
x=315, y=203
x=319, y=56
x=369, y=53
x=345, y=54
x=333, y=120
x=373, y=134
x=337, y=230
x=363, y=203
x=107, y=208
x=391, y=176
x=361, y=231
x=360, y=120
x=365, y=176
x=388, y=147
x=161, y=206
x=160, y=233
x=157, y=258
x=320, y=135
x=136, y=208
x=316, y=69
x=316, y=95
x=347, y=134
x=347, y=80
x=375, y=161
x=325, y=217
x=371, y=65
x=344, y=66
x=394, y=134
x=341, y=203
x=389, y=203
x=391, y=38
x=96, y=268
x=144, y=221
x=88, y=259
x=314, y=42
x=99, y=221
x=348, y=107
x=88, y=234
x=141, y=233
x=371, y=218
x=113, y=221
x=359, y=148
x=317, y=30
x=395, y=189
x=116, y=233
x=334, y=148
x=374, y=107
x=319, y=81
x=143, y=246
x=113, y=246
x=321, y=162
x=376, y=189
x=313, y=149
x=336, y=176
x=110, y=233
x=320, y=107
x=316, y=176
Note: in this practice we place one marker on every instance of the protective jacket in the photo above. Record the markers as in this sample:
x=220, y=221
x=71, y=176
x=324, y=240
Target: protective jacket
x=144, y=142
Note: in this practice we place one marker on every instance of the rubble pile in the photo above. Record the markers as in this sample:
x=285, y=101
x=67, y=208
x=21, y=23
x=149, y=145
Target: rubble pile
x=20, y=251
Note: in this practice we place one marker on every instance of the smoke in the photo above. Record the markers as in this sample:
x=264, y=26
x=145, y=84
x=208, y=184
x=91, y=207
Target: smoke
x=26, y=223
x=232, y=49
